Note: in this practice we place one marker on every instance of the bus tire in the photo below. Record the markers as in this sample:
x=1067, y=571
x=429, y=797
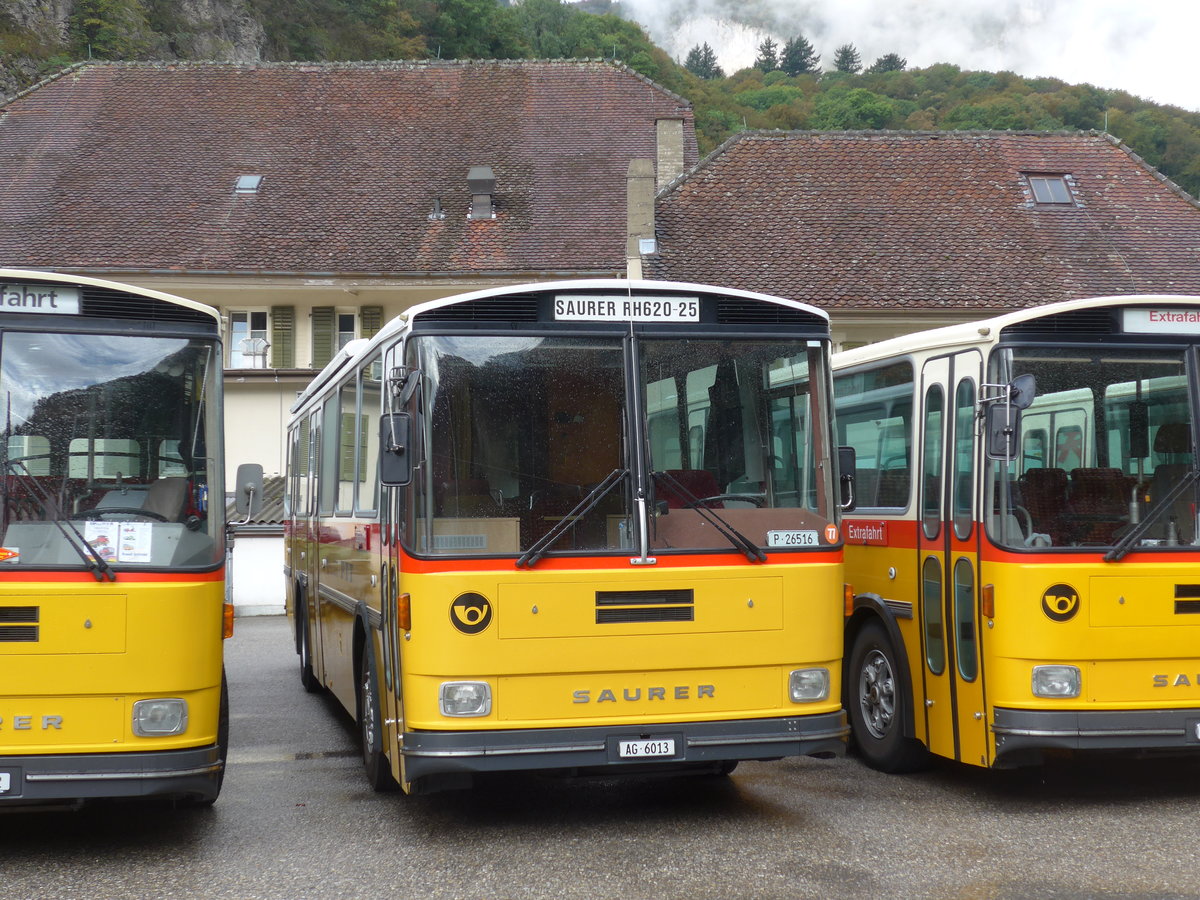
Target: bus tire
x=877, y=705
x=304, y=648
x=370, y=725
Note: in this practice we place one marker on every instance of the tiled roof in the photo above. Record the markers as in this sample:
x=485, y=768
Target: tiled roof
x=132, y=166
x=862, y=220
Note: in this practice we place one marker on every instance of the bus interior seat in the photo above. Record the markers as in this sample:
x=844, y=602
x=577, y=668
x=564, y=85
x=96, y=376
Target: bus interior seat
x=893, y=488
x=700, y=483
x=1044, y=496
x=1174, y=439
x=1100, y=492
x=467, y=498
x=167, y=497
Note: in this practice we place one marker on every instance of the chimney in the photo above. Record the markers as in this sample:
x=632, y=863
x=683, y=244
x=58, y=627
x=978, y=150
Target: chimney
x=482, y=183
x=670, y=150
x=639, y=214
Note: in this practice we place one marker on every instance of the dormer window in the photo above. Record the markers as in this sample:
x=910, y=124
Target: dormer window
x=1050, y=190
x=247, y=184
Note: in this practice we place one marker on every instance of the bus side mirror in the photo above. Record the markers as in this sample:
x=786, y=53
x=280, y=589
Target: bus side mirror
x=395, y=460
x=1003, y=426
x=248, y=491
x=847, y=470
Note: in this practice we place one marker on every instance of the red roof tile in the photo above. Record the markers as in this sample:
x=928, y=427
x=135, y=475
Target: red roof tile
x=926, y=220
x=132, y=166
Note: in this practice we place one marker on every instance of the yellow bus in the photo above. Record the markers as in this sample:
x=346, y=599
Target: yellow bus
x=112, y=543
x=1024, y=553
x=583, y=526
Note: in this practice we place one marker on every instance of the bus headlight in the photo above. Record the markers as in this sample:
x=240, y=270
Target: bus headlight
x=160, y=718
x=466, y=698
x=1056, y=681
x=808, y=685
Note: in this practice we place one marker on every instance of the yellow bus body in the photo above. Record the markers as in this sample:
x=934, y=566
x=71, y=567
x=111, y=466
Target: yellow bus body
x=553, y=665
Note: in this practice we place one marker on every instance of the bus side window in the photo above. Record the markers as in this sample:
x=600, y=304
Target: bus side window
x=1033, y=450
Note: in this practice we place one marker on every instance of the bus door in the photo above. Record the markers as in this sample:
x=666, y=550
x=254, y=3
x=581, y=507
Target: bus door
x=312, y=548
x=393, y=507
x=948, y=557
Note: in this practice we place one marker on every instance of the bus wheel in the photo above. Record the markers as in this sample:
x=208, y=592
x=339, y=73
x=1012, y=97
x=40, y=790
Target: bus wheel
x=876, y=704
x=304, y=647
x=375, y=762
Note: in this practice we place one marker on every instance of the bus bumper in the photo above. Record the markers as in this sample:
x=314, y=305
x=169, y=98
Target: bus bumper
x=598, y=748
x=1022, y=732
x=193, y=773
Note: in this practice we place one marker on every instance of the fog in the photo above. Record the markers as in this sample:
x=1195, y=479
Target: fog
x=1147, y=51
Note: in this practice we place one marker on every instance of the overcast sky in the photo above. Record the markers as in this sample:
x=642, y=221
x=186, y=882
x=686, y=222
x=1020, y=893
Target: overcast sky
x=1149, y=49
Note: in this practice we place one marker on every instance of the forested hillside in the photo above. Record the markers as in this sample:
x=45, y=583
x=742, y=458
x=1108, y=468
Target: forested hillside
x=39, y=37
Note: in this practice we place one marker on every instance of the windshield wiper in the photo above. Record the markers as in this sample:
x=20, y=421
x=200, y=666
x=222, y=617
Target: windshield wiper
x=582, y=508
x=1131, y=537
x=753, y=552
x=94, y=561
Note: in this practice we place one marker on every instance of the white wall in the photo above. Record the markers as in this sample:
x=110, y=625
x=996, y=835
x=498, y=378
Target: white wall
x=257, y=575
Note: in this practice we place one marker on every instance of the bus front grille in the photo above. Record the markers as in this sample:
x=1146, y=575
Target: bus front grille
x=18, y=634
x=613, y=607
x=19, y=614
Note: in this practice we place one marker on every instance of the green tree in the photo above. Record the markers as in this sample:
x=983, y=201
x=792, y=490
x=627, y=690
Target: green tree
x=846, y=59
x=110, y=29
x=702, y=62
x=852, y=110
x=768, y=56
x=889, y=62
x=799, y=57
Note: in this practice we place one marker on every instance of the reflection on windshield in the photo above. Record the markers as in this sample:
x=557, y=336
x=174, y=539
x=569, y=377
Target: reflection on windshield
x=525, y=448
x=1102, y=451
x=106, y=443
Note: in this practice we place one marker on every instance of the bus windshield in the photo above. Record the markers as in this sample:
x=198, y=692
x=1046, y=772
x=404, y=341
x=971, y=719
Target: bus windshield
x=107, y=442
x=1102, y=450
x=526, y=444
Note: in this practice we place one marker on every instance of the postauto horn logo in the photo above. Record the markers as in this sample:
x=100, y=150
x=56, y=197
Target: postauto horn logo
x=471, y=613
x=1060, y=602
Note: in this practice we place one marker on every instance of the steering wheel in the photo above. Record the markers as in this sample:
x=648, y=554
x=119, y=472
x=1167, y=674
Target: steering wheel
x=756, y=499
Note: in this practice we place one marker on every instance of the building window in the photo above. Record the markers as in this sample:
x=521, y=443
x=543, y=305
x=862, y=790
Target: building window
x=333, y=329
x=346, y=329
x=248, y=343
x=1050, y=190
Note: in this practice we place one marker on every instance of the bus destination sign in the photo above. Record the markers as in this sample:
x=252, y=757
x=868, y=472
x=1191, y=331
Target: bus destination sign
x=1163, y=320
x=607, y=308
x=39, y=298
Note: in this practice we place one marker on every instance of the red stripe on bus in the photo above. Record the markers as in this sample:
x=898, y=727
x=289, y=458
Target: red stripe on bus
x=559, y=564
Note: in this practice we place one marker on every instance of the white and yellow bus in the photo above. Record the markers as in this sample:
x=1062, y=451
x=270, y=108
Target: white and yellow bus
x=578, y=526
x=1024, y=555
x=112, y=543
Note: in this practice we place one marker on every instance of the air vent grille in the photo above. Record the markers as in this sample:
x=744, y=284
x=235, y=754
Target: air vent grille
x=736, y=311
x=509, y=308
x=19, y=614
x=113, y=304
x=1074, y=324
x=615, y=607
x=18, y=634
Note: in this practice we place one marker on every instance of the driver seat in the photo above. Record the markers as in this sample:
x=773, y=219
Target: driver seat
x=166, y=497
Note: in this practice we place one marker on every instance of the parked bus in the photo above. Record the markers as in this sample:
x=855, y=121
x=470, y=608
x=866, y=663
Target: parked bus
x=1024, y=557
x=584, y=526
x=112, y=543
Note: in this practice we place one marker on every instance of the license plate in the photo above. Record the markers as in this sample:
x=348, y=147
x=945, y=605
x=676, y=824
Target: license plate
x=646, y=748
x=5, y=782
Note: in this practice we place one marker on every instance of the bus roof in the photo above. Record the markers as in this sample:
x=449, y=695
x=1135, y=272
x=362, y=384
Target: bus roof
x=403, y=321
x=19, y=275
x=986, y=331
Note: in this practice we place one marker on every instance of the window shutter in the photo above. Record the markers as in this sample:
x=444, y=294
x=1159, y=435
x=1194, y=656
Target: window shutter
x=283, y=337
x=371, y=318
x=323, y=324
